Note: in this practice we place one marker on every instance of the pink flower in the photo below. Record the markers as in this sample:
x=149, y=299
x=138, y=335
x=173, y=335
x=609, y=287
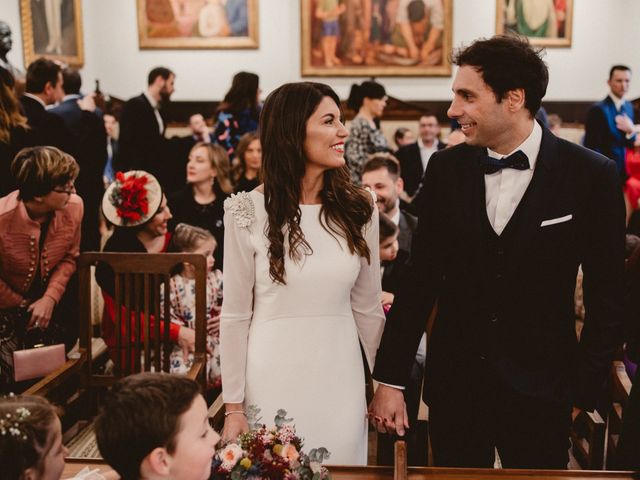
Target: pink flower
x=289, y=452
x=230, y=456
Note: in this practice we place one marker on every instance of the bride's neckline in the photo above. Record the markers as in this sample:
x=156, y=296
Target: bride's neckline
x=300, y=204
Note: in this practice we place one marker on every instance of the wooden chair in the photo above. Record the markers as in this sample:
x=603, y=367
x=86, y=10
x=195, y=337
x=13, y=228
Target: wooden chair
x=620, y=390
x=587, y=438
x=139, y=345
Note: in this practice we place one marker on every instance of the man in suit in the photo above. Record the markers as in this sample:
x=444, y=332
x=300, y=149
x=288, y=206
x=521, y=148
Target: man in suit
x=142, y=142
x=415, y=156
x=44, y=87
x=88, y=134
x=505, y=221
x=382, y=175
x=610, y=129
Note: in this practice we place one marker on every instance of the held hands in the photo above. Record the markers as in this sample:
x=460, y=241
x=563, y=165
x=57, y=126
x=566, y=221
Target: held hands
x=625, y=124
x=187, y=341
x=388, y=412
x=41, y=312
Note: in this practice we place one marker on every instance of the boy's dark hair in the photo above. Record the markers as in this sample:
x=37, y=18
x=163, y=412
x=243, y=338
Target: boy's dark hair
x=163, y=72
x=72, y=81
x=622, y=68
x=383, y=161
x=40, y=72
x=508, y=62
x=387, y=228
x=142, y=412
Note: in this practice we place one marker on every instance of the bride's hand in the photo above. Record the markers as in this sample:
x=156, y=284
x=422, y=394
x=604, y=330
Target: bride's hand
x=234, y=425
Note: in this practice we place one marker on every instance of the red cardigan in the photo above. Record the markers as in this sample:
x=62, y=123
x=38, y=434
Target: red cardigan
x=19, y=240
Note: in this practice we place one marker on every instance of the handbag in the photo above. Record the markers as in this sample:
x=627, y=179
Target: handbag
x=38, y=355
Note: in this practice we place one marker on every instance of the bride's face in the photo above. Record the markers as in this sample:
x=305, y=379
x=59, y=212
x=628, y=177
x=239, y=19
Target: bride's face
x=325, y=135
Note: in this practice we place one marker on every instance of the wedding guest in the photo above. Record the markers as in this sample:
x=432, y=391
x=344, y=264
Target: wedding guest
x=201, y=201
x=239, y=111
x=190, y=239
x=248, y=163
x=15, y=133
x=135, y=230
x=369, y=100
x=31, y=440
x=155, y=425
x=403, y=136
x=39, y=244
x=302, y=271
x=501, y=265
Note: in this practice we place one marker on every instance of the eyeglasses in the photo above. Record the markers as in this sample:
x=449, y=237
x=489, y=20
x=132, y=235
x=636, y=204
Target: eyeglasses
x=68, y=191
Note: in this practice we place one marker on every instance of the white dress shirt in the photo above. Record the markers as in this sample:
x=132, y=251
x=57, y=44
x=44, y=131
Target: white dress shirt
x=154, y=104
x=426, y=152
x=505, y=188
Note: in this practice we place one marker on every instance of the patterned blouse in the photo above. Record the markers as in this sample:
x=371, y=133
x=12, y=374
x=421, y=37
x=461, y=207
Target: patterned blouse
x=363, y=140
x=182, y=293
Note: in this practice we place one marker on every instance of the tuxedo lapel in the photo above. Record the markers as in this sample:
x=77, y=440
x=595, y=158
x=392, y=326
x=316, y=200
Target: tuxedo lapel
x=540, y=194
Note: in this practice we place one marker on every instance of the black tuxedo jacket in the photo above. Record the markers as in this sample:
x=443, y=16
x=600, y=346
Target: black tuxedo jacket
x=411, y=166
x=407, y=227
x=521, y=324
x=48, y=128
x=141, y=145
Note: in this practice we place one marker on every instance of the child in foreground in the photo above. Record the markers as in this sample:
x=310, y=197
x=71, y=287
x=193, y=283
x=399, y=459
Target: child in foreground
x=156, y=425
x=31, y=440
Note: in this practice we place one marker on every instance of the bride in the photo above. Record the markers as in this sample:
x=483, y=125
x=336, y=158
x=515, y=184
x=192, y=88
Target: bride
x=302, y=281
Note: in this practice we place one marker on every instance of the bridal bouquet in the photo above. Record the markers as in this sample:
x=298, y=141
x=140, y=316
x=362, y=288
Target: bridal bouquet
x=269, y=454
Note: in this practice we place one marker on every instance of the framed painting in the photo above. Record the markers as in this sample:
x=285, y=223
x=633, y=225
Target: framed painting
x=545, y=23
x=370, y=38
x=52, y=29
x=188, y=24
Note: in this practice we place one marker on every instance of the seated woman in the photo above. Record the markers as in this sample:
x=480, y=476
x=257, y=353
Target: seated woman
x=137, y=229
x=201, y=202
x=40, y=241
x=246, y=172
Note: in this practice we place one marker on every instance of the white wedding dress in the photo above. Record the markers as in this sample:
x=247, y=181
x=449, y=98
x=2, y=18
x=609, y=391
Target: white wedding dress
x=296, y=346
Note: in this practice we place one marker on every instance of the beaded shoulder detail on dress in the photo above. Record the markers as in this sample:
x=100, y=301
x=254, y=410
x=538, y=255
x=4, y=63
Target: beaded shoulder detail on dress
x=242, y=208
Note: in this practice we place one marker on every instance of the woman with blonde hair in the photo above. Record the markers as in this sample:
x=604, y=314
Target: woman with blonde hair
x=201, y=201
x=248, y=162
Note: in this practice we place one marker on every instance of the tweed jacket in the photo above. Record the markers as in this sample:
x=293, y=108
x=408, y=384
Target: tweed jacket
x=19, y=239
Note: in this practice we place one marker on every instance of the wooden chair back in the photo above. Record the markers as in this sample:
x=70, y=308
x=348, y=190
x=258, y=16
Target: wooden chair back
x=587, y=439
x=141, y=333
x=620, y=390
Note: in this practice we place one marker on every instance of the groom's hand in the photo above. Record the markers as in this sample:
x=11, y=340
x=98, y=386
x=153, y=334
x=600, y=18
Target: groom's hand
x=388, y=412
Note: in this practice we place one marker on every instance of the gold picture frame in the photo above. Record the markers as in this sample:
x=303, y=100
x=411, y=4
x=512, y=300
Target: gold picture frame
x=52, y=29
x=552, y=20
x=385, y=52
x=195, y=24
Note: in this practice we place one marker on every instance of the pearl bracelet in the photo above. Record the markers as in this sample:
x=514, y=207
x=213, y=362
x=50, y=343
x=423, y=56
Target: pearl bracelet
x=242, y=412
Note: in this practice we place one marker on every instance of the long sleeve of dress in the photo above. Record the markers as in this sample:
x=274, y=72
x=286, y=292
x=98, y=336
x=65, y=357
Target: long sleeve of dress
x=237, y=306
x=365, y=294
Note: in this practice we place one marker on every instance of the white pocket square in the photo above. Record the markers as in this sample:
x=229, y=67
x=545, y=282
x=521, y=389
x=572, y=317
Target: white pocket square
x=553, y=221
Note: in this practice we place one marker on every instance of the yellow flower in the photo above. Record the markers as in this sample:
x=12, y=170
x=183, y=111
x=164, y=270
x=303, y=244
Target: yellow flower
x=277, y=449
x=246, y=463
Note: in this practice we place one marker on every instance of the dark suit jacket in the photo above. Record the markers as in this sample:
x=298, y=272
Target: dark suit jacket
x=90, y=150
x=407, y=227
x=521, y=324
x=142, y=146
x=411, y=169
x=48, y=128
x=601, y=134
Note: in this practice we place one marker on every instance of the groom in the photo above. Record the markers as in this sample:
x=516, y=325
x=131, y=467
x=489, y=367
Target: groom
x=506, y=219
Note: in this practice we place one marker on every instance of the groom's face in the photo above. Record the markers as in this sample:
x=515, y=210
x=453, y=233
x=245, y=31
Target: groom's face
x=485, y=122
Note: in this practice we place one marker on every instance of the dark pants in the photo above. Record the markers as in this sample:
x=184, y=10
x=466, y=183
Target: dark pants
x=527, y=432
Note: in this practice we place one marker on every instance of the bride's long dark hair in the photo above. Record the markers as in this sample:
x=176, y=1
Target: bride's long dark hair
x=346, y=208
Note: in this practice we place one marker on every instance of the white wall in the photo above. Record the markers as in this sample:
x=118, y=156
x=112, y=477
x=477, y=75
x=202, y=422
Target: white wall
x=604, y=33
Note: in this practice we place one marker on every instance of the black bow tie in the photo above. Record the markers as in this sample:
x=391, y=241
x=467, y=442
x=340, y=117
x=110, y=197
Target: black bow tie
x=517, y=160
